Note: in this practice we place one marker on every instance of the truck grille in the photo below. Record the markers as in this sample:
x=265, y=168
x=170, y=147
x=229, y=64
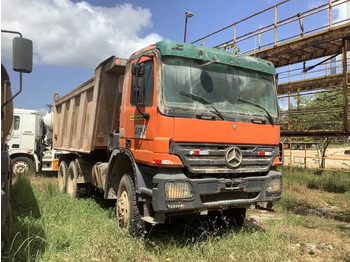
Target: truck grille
x=211, y=158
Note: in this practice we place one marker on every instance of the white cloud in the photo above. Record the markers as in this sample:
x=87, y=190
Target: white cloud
x=342, y=11
x=340, y=8
x=315, y=3
x=80, y=34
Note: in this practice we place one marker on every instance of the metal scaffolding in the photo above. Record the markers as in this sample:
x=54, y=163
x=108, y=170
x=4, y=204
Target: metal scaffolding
x=323, y=46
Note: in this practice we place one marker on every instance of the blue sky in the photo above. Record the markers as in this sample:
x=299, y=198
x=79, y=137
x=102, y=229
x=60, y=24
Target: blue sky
x=72, y=37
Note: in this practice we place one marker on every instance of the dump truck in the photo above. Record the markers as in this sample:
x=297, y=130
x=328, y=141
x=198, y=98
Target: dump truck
x=176, y=129
x=22, y=63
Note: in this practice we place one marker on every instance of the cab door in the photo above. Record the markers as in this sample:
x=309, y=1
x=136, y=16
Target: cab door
x=15, y=141
x=137, y=133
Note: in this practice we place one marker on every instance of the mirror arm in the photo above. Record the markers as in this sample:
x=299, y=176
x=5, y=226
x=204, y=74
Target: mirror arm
x=19, y=91
x=11, y=32
x=145, y=115
x=149, y=56
x=20, y=74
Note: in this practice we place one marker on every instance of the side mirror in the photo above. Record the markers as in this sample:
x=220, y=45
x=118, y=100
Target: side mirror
x=138, y=84
x=22, y=55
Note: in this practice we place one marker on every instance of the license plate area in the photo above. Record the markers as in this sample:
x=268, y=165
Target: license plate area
x=236, y=185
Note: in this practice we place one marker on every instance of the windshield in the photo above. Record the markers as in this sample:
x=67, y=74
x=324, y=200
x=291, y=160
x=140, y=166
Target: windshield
x=227, y=88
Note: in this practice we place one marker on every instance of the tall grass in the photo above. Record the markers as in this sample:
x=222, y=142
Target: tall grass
x=50, y=226
x=329, y=201
x=336, y=182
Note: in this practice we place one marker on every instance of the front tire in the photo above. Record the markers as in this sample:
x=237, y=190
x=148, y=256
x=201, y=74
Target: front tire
x=22, y=166
x=127, y=209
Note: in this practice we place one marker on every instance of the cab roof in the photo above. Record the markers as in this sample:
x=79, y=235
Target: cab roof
x=206, y=54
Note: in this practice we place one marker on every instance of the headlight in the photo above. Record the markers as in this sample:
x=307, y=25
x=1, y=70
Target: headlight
x=178, y=190
x=275, y=185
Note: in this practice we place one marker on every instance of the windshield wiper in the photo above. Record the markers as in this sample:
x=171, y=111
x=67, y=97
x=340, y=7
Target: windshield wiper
x=268, y=115
x=203, y=101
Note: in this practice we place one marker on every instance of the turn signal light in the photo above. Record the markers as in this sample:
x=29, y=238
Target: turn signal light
x=278, y=161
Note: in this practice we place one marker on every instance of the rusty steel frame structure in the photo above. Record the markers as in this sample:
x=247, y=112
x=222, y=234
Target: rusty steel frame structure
x=303, y=152
x=322, y=42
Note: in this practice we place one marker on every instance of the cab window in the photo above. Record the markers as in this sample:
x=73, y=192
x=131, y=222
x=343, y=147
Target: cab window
x=149, y=84
x=16, y=122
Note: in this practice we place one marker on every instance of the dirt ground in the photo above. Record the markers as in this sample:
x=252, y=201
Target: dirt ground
x=335, y=158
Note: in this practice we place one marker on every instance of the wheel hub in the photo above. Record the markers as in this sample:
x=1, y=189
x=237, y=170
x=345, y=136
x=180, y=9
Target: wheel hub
x=20, y=168
x=123, y=208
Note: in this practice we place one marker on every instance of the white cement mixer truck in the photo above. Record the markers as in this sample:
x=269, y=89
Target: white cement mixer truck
x=30, y=146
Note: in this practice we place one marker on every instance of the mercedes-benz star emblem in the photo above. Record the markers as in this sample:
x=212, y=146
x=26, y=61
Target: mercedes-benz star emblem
x=233, y=157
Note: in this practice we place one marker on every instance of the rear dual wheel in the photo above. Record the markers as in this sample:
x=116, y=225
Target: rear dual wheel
x=72, y=176
x=68, y=181
x=62, y=176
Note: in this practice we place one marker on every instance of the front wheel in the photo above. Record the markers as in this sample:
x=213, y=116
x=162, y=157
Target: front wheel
x=22, y=166
x=127, y=208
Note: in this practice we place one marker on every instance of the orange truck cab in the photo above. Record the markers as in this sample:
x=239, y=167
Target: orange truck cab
x=197, y=131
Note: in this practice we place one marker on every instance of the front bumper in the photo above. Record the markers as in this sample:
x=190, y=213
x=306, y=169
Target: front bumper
x=213, y=193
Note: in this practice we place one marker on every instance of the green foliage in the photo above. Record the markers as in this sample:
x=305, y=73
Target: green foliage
x=63, y=229
x=307, y=194
x=318, y=111
x=327, y=98
x=324, y=116
x=290, y=203
x=50, y=226
x=336, y=182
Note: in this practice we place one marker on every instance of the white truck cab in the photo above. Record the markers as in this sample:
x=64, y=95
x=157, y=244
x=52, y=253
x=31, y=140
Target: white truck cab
x=30, y=145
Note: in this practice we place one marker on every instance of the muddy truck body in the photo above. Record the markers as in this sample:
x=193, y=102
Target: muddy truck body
x=22, y=59
x=176, y=129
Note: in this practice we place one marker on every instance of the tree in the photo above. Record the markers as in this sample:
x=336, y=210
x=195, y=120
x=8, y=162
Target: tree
x=322, y=145
x=321, y=111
